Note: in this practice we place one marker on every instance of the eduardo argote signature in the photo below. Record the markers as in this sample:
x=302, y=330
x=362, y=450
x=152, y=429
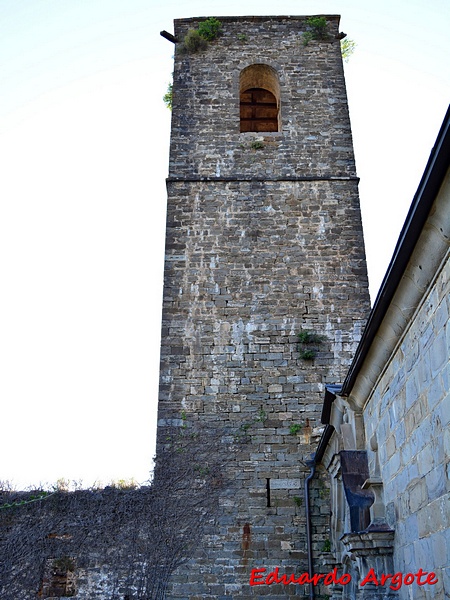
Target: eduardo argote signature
x=395, y=581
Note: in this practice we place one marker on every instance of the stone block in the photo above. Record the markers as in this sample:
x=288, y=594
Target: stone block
x=275, y=389
x=436, y=392
x=439, y=353
x=417, y=494
x=425, y=460
x=445, y=409
x=436, y=482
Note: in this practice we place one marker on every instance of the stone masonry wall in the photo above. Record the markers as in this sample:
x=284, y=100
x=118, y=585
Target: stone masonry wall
x=81, y=544
x=263, y=241
x=410, y=413
x=315, y=139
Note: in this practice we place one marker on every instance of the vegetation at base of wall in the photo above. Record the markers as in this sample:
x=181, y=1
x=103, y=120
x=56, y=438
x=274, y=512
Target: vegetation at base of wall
x=139, y=536
x=316, y=29
x=197, y=39
x=347, y=49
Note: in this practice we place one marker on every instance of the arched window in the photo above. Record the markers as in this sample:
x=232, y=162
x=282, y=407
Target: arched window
x=259, y=99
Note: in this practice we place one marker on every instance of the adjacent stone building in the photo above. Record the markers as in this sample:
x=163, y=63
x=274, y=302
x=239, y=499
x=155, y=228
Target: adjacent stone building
x=386, y=443
x=264, y=244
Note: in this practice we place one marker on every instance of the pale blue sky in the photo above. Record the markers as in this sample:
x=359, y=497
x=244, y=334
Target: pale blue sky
x=83, y=153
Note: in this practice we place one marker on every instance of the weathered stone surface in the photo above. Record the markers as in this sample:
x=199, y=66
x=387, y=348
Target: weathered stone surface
x=414, y=392
x=264, y=240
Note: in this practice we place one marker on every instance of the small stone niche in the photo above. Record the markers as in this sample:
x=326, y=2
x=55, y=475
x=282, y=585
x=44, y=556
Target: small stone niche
x=59, y=579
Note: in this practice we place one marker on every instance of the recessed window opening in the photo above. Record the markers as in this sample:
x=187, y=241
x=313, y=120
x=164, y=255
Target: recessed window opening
x=259, y=110
x=259, y=99
x=268, y=492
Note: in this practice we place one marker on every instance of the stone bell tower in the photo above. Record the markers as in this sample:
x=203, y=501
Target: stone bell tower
x=264, y=242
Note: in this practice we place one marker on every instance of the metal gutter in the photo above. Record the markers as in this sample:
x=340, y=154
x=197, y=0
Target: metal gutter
x=330, y=394
x=331, y=391
x=317, y=457
x=312, y=465
x=429, y=186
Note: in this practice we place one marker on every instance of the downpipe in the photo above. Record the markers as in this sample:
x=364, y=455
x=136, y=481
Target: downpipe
x=312, y=465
